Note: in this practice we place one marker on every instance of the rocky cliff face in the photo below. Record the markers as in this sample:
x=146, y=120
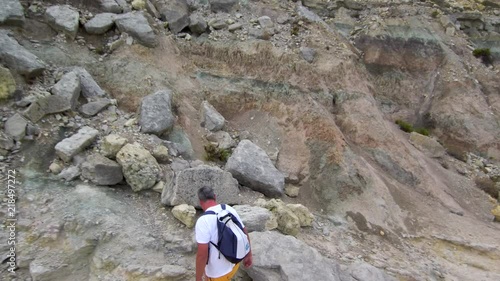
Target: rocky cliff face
x=108, y=104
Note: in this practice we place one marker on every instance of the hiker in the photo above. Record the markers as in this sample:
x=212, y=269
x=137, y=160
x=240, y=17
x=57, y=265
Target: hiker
x=211, y=265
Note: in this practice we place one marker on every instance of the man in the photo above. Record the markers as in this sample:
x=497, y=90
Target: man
x=218, y=267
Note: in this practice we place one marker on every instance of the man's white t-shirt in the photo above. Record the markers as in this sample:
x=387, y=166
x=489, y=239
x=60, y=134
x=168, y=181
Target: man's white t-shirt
x=206, y=232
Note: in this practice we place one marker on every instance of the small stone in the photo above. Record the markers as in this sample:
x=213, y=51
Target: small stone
x=266, y=22
x=234, y=27
x=292, y=191
x=159, y=187
x=55, y=168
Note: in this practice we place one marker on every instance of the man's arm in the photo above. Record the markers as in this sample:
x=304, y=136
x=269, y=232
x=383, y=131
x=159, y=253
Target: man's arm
x=248, y=260
x=201, y=261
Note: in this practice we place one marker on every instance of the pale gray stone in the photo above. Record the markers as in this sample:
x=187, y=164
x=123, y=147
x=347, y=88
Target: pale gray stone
x=64, y=19
x=16, y=126
x=17, y=58
x=308, y=54
x=88, y=85
x=177, y=19
x=265, y=22
x=150, y=7
x=183, y=189
x=70, y=173
x=6, y=142
x=235, y=26
x=111, y=144
x=68, y=87
x=156, y=113
x=180, y=140
x=111, y=6
x=364, y=271
x=223, y=139
x=11, y=13
x=276, y=255
x=47, y=105
x=136, y=25
x=140, y=168
x=255, y=218
x=217, y=24
x=211, y=119
x=100, y=23
x=251, y=166
x=94, y=107
x=101, y=170
x=69, y=147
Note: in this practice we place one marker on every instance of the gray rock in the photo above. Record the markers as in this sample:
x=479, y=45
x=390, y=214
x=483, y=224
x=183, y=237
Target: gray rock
x=235, y=26
x=156, y=113
x=217, y=24
x=124, y=5
x=11, y=13
x=17, y=58
x=111, y=144
x=110, y=6
x=308, y=54
x=48, y=105
x=223, y=139
x=181, y=143
x=102, y=171
x=70, y=173
x=276, y=255
x=263, y=34
x=150, y=7
x=68, y=87
x=394, y=169
x=7, y=83
x=183, y=189
x=197, y=25
x=69, y=147
x=251, y=166
x=161, y=154
x=254, y=218
x=6, y=142
x=138, y=27
x=365, y=271
x=94, y=107
x=211, y=119
x=307, y=14
x=100, y=24
x=427, y=145
x=225, y=6
x=266, y=22
x=63, y=19
x=139, y=167
x=89, y=87
x=16, y=127
x=177, y=19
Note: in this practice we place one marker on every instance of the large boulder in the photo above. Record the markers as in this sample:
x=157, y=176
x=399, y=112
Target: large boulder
x=7, y=83
x=183, y=189
x=69, y=147
x=63, y=18
x=428, y=145
x=17, y=58
x=111, y=144
x=225, y=6
x=276, y=255
x=100, y=23
x=68, y=87
x=156, y=113
x=138, y=27
x=211, y=118
x=185, y=213
x=251, y=166
x=89, y=87
x=256, y=218
x=11, y=13
x=177, y=19
x=16, y=126
x=139, y=167
x=102, y=171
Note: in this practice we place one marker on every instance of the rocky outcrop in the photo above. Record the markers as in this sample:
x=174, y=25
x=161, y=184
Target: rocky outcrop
x=101, y=171
x=256, y=218
x=276, y=255
x=185, y=213
x=139, y=167
x=156, y=113
x=138, y=27
x=12, y=13
x=17, y=58
x=251, y=166
x=63, y=19
x=75, y=144
x=211, y=119
x=183, y=189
